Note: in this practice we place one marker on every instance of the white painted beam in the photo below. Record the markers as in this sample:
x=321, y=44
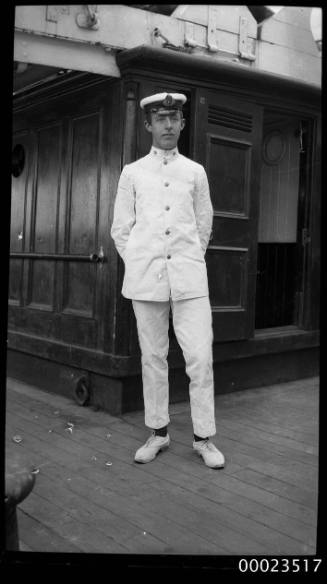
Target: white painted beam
x=51, y=36
x=119, y=26
x=63, y=53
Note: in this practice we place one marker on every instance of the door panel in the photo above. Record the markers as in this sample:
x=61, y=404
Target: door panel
x=58, y=288
x=42, y=273
x=227, y=143
x=228, y=291
x=82, y=216
x=41, y=285
x=49, y=141
x=79, y=289
x=15, y=277
x=84, y=184
x=230, y=189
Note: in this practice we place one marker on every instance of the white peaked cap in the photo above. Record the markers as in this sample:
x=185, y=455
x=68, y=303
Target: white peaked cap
x=173, y=100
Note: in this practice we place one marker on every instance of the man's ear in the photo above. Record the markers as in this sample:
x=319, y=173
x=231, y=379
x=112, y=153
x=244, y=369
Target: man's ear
x=148, y=126
x=182, y=124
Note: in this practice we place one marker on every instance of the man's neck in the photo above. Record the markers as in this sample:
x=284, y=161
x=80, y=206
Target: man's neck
x=164, y=152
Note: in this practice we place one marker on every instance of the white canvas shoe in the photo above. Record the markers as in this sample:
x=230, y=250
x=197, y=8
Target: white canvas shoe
x=150, y=449
x=210, y=454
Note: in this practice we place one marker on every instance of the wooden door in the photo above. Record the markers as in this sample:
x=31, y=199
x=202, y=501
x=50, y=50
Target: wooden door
x=227, y=141
x=59, y=216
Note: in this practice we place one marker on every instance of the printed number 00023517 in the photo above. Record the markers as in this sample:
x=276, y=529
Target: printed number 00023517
x=279, y=565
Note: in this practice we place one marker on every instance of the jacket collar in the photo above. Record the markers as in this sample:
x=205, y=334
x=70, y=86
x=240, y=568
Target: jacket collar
x=160, y=154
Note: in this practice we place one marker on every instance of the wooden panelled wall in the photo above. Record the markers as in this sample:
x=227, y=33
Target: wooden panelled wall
x=60, y=215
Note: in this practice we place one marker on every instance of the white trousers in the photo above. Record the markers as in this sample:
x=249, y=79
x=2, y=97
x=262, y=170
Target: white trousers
x=192, y=320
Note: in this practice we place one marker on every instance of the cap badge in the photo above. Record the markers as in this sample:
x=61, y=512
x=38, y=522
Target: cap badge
x=169, y=100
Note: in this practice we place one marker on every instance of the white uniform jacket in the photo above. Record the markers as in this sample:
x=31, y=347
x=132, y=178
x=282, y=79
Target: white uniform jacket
x=161, y=227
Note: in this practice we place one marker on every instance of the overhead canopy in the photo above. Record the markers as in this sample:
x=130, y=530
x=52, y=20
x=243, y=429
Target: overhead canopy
x=224, y=73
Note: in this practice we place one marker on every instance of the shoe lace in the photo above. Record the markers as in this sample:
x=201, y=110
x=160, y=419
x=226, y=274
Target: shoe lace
x=208, y=445
x=151, y=439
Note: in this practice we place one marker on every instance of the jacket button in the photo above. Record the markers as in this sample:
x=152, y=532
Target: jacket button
x=167, y=232
x=166, y=184
x=165, y=161
x=168, y=257
x=167, y=208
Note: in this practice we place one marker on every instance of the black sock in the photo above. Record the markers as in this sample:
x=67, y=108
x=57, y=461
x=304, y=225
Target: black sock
x=161, y=431
x=198, y=439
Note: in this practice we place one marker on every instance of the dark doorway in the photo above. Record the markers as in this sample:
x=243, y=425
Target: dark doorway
x=281, y=220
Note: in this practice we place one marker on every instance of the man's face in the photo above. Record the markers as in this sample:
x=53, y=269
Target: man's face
x=165, y=128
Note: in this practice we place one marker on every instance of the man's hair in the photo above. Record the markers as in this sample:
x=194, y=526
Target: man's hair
x=149, y=113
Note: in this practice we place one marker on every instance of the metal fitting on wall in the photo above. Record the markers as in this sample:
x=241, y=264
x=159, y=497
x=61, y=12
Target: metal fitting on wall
x=88, y=19
x=81, y=391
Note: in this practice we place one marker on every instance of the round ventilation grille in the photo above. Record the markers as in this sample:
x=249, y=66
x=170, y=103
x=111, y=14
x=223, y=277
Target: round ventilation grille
x=274, y=147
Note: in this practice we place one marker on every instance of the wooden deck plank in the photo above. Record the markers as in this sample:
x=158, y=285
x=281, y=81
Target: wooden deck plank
x=269, y=414
x=227, y=425
x=255, y=527
x=166, y=533
x=201, y=518
x=40, y=537
x=253, y=407
x=260, y=493
x=229, y=469
x=175, y=504
x=83, y=507
x=254, y=454
x=101, y=479
x=296, y=502
x=181, y=446
x=215, y=516
x=273, y=425
x=108, y=500
x=298, y=495
x=176, y=515
x=251, y=436
x=287, y=506
x=201, y=470
x=150, y=522
x=301, y=451
x=115, y=533
x=243, y=512
x=62, y=405
x=280, y=457
x=287, y=491
x=68, y=527
x=238, y=513
x=72, y=454
x=220, y=417
x=283, y=426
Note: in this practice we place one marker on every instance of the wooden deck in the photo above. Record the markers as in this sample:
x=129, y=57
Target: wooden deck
x=90, y=496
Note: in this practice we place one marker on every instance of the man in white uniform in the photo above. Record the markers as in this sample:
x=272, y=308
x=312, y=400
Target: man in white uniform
x=161, y=228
